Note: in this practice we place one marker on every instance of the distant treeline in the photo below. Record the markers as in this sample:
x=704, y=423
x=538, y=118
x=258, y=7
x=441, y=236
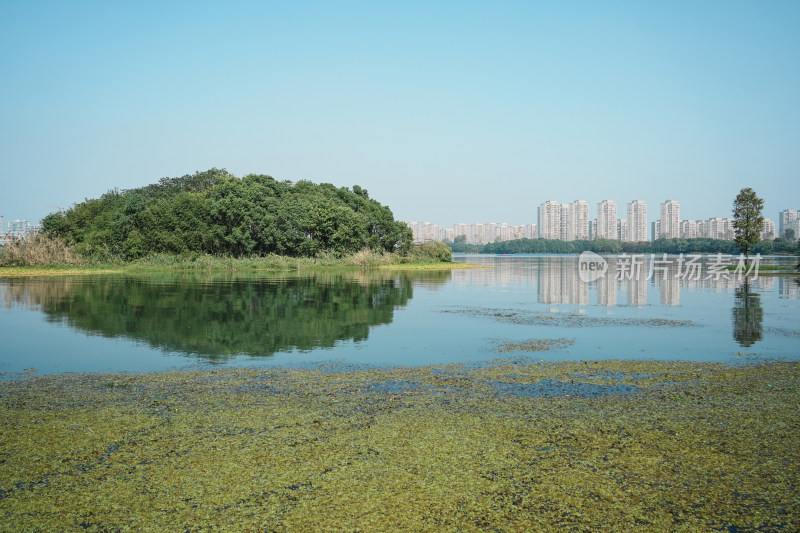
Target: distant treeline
x=214, y=212
x=670, y=246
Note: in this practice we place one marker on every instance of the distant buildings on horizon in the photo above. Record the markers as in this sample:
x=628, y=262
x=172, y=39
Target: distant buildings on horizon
x=570, y=222
x=17, y=229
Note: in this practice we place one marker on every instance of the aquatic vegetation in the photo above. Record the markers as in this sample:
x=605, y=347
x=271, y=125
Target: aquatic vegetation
x=786, y=332
x=666, y=446
x=567, y=320
x=535, y=345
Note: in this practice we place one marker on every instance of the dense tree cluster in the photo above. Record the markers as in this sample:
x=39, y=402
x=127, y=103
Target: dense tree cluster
x=214, y=212
x=670, y=246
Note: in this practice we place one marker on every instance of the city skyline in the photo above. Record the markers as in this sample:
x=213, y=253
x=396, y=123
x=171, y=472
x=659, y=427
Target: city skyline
x=567, y=222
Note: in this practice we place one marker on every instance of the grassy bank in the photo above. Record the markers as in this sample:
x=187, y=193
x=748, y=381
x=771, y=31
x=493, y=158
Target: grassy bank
x=38, y=259
x=579, y=446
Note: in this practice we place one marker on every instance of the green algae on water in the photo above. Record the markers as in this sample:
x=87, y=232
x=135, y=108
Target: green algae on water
x=667, y=446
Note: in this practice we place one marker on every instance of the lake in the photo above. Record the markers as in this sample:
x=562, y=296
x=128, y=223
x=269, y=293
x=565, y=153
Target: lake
x=540, y=307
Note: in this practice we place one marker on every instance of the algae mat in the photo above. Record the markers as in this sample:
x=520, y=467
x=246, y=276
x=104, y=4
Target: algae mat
x=509, y=445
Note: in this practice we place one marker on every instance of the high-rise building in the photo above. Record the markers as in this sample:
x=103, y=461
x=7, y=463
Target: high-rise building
x=425, y=231
x=565, y=216
x=689, y=229
x=580, y=219
x=607, y=219
x=670, y=219
x=788, y=220
x=550, y=220
x=702, y=228
x=622, y=229
x=478, y=234
x=720, y=228
x=656, y=230
x=461, y=230
x=575, y=221
x=492, y=232
x=18, y=228
x=637, y=221
x=505, y=232
x=768, y=230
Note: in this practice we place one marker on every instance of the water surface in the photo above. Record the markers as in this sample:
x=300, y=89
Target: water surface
x=520, y=304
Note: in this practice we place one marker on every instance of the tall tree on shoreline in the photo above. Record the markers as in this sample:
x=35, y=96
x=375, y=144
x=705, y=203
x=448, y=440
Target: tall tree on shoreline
x=747, y=220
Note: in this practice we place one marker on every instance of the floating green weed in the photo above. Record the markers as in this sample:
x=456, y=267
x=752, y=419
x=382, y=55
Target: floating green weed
x=535, y=345
x=695, y=447
x=567, y=320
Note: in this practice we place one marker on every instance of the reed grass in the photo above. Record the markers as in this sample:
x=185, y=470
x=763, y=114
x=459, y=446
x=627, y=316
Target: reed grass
x=44, y=255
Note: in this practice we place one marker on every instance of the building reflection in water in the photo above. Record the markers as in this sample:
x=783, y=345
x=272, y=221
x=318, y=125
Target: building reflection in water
x=788, y=287
x=558, y=281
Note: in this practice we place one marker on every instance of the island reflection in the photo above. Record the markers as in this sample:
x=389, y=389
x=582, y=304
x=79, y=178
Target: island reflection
x=219, y=316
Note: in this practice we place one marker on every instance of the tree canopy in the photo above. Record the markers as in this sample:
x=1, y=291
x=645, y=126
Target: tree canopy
x=747, y=219
x=215, y=212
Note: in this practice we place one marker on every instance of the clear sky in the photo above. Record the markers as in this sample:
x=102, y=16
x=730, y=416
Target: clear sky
x=445, y=111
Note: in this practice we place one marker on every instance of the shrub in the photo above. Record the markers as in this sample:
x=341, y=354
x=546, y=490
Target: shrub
x=39, y=250
x=430, y=252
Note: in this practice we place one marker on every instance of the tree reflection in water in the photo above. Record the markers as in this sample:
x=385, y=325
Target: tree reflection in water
x=748, y=316
x=217, y=316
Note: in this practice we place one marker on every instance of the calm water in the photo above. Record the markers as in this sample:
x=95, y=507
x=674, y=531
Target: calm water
x=138, y=323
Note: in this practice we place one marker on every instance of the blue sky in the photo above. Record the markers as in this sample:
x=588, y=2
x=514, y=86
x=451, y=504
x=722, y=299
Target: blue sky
x=445, y=111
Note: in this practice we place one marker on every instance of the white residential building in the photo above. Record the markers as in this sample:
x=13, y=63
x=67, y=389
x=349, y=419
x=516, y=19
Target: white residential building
x=768, y=230
x=607, y=219
x=702, y=229
x=788, y=219
x=637, y=221
x=575, y=221
x=579, y=219
x=425, y=231
x=689, y=229
x=461, y=230
x=720, y=228
x=478, y=234
x=670, y=219
x=622, y=229
x=550, y=220
x=18, y=228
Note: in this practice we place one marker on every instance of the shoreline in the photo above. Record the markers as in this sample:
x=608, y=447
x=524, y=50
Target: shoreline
x=17, y=272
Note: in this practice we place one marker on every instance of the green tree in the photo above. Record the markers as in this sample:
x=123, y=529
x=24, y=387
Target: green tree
x=747, y=220
x=218, y=213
